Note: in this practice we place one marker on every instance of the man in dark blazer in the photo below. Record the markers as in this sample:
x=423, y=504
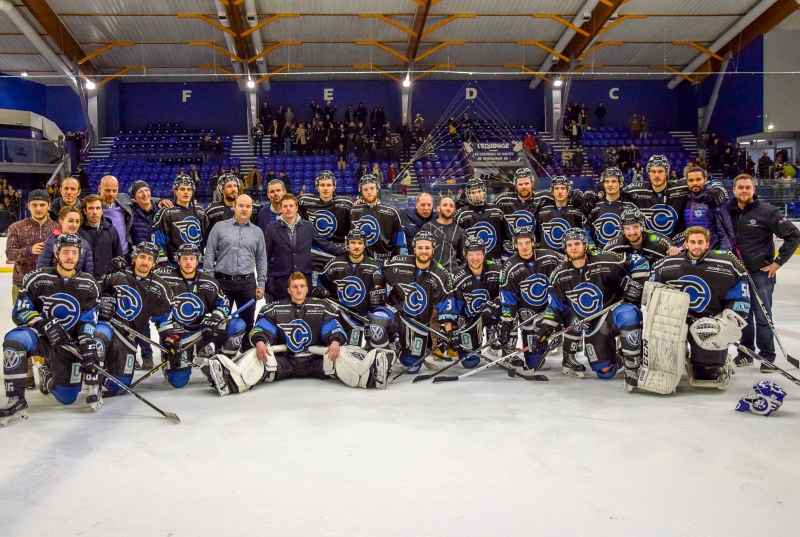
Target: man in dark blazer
x=289, y=242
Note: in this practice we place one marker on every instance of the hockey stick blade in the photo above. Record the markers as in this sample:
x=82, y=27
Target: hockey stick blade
x=444, y=379
x=792, y=360
x=522, y=375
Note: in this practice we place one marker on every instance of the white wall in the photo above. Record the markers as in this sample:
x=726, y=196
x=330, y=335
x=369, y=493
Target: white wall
x=782, y=54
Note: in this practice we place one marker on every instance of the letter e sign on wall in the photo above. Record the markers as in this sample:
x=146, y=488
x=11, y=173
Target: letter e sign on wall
x=327, y=94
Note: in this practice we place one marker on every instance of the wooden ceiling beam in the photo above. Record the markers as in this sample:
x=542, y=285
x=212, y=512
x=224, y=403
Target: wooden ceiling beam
x=594, y=26
x=55, y=29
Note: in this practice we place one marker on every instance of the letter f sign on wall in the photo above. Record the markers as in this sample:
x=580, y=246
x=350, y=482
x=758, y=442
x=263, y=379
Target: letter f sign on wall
x=186, y=95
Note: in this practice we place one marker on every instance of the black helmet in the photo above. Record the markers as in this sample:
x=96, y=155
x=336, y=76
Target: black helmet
x=145, y=247
x=424, y=236
x=574, y=234
x=523, y=231
x=632, y=216
x=473, y=244
x=658, y=160
x=475, y=185
x=560, y=180
x=189, y=249
x=182, y=179
x=327, y=175
x=222, y=181
x=355, y=234
x=67, y=239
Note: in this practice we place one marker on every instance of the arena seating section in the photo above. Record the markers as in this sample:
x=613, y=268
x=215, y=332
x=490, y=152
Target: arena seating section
x=302, y=171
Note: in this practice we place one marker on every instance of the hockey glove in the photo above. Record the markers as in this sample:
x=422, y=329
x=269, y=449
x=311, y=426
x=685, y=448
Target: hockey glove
x=320, y=292
x=171, y=344
x=589, y=201
x=716, y=195
x=579, y=325
x=377, y=297
x=106, y=307
x=89, y=354
x=115, y=265
x=214, y=326
x=504, y=333
x=576, y=198
x=52, y=330
x=540, y=334
x=632, y=292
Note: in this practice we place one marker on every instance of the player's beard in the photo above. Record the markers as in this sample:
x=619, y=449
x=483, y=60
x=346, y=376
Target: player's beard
x=582, y=256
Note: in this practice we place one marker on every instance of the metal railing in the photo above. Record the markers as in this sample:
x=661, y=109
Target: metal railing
x=24, y=151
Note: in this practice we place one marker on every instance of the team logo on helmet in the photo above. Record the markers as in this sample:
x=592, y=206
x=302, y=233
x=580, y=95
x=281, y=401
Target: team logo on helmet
x=520, y=219
x=534, y=289
x=698, y=291
x=129, y=303
x=190, y=230
x=475, y=301
x=415, y=300
x=298, y=334
x=607, y=227
x=586, y=298
x=485, y=232
x=554, y=232
x=187, y=308
x=324, y=221
x=63, y=307
x=661, y=218
x=351, y=291
x=371, y=228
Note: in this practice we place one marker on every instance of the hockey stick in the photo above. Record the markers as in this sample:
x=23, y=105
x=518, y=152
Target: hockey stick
x=790, y=359
x=109, y=376
x=355, y=315
x=418, y=362
x=486, y=366
x=766, y=362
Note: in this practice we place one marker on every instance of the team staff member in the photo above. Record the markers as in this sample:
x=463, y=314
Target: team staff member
x=236, y=256
x=755, y=222
x=417, y=216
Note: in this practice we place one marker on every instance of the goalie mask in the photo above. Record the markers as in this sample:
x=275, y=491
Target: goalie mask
x=762, y=399
x=475, y=192
x=658, y=160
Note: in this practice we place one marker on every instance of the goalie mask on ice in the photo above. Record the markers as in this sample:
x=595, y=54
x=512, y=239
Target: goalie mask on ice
x=763, y=399
x=718, y=332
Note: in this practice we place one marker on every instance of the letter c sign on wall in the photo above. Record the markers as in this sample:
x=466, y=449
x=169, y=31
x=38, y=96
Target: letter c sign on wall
x=613, y=93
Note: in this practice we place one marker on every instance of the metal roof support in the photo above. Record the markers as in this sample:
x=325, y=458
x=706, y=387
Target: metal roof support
x=713, y=101
x=723, y=40
x=230, y=43
x=258, y=45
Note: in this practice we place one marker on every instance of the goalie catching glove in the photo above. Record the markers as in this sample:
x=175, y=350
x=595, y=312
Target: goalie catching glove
x=718, y=332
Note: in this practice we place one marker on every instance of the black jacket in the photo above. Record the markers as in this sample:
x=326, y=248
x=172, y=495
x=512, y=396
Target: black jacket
x=105, y=244
x=285, y=257
x=754, y=227
x=413, y=222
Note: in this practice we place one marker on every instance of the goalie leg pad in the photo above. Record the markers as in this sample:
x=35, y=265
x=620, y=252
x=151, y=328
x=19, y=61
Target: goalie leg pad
x=352, y=366
x=247, y=370
x=709, y=369
x=663, y=341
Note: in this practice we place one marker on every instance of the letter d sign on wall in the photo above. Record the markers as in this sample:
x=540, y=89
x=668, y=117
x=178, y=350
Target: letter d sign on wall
x=186, y=95
x=472, y=93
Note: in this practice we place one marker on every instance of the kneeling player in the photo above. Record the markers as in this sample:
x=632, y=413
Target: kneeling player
x=299, y=324
x=199, y=315
x=637, y=239
x=133, y=298
x=583, y=286
x=719, y=300
x=55, y=308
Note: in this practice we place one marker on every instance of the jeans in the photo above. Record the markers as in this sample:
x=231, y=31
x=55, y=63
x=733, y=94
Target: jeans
x=287, y=146
x=759, y=332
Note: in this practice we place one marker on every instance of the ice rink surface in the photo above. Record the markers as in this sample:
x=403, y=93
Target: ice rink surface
x=486, y=456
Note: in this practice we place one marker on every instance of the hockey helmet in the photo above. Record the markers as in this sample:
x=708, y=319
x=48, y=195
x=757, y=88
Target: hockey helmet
x=67, y=239
x=522, y=172
x=523, y=231
x=560, y=180
x=763, y=399
x=658, y=160
x=182, y=179
x=223, y=180
x=145, y=247
x=355, y=234
x=613, y=171
x=633, y=216
x=327, y=175
x=189, y=249
x=424, y=236
x=475, y=185
x=474, y=244
x=368, y=178
x=574, y=234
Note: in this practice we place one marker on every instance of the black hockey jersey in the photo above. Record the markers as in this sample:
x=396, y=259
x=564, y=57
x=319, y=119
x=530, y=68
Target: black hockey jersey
x=715, y=282
x=663, y=210
x=416, y=292
x=177, y=225
x=598, y=284
x=45, y=294
x=554, y=221
x=193, y=299
x=518, y=212
x=140, y=300
x=471, y=293
x=297, y=326
x=217, y=212
x=604, y=220
x=331, y=218
x=489, y=224
x=524, y=282
x=384, y=229
x=351, y=283
x=654, y=246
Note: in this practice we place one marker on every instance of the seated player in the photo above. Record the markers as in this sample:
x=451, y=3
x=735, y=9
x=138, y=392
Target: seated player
x=133, y=298
x=298, y=324
x=199, y=313
x=56, y=307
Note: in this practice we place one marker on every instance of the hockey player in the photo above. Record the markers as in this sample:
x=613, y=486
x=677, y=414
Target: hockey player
x=300, y=324
x=519, y=209
x=134, y=298
x=329, y=213
x=198, y=311
x=719, y=300
x=604, y=213
x=584, y=285
x=636, y=239
x=183, y=223
x=484, y=220
x=356, y=282
x=557, y=216
x=523, y=292
x=448, y=235
x=475, y=286
x=418, y=285
x=660, y=201
x=56, y=306
x=228, y=187
x=707, y=207
x=379, y=221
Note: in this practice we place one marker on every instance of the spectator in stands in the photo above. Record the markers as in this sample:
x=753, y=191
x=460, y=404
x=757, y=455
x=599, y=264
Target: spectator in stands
x=529, y=142
x=624, y=158
x=5, y=219
x=600, y=113
x=70, y=197
x=219, y=151
x=610, y=158
x=265, y=114
x=350, y=115
x=54, y=189
x=206, y=147
x=83, y=179
x=274, y=132
x=341, y=157
x=330, y=110
x=575, y=111
x=702, y=146
x=575, y=134
x=144, y=210
x=300, y=139
x=644, y=127
x=361, y=113
x=728, y=164
x=280, y=116
x=271, y=176
x=194, y=173
x=362, y=170
x=12, y=202
x=419, y=125
x=578, y=158
x=634, y=155
x=466, y=127
x=673, y=175
x=320, y=133
x=69, y=220
x=252, y=182
x=764, y=164
x=637, y=172
x=583, y=119
x=258, y=138
x=714, y=155
x=288, y=117
x=391, y=174
x=741, y=161
x=407, y=138
x=287, y=181
x=566, y=157
x=287, y=135
x=635, y=125
x=377, y=172
x=101, y=234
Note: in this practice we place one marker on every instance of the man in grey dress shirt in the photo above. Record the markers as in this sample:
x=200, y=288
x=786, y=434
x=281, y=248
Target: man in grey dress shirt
x=235, y=251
